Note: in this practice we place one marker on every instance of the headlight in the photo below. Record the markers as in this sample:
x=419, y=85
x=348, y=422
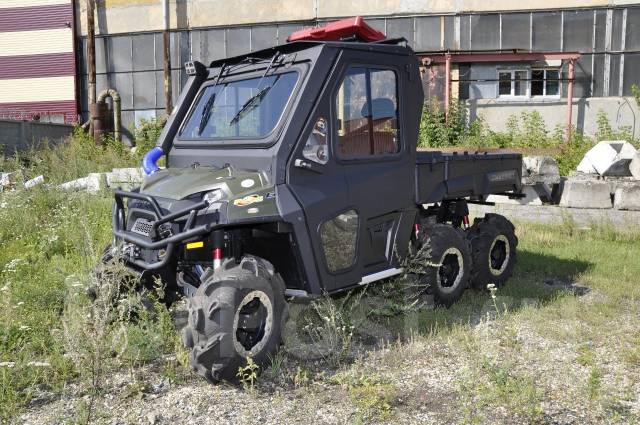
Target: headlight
x=213, y=196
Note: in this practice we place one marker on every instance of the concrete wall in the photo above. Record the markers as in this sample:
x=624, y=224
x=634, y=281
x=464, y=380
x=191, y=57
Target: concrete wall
x=21, y=135
x=124, y=16
x=621, y=112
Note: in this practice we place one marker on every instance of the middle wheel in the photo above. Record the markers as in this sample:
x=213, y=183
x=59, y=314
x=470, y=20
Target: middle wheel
x=449, y=262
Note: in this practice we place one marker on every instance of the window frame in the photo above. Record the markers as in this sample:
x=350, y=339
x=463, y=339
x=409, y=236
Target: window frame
x=335, y=142
x=528, y=96
x=264, y=141
x=511, y=95
x=544, y=94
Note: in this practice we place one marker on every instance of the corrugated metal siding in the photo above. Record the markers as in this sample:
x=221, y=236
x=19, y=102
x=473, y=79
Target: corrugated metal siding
x=36, y=18
x=8, y=4
x=39, y=42
x=51, y=65
x=37, y=62
x=37, y=89
x=26, y=111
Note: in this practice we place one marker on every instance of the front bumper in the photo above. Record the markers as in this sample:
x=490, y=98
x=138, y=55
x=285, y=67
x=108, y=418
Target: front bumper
x=156, y=241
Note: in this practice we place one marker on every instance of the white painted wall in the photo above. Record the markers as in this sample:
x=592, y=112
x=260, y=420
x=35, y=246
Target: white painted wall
x=621, y=111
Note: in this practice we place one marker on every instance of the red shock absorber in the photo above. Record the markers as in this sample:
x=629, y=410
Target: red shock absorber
x=465, y=221
x=416, y=230
x=218, y=245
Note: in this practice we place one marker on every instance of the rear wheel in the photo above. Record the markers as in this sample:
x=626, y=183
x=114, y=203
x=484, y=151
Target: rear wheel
x=449, y=262
x=236, y=314
x=493, y=249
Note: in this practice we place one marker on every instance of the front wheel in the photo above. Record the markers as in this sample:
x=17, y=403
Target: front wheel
x=236, y=314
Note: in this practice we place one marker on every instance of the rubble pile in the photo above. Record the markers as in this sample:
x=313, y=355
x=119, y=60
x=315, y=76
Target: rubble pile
x=607, y=177
x=124, y=178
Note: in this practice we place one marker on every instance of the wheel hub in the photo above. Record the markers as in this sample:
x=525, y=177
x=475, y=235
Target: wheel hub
x=451, y=269
x=499, y=255
x=252, y=324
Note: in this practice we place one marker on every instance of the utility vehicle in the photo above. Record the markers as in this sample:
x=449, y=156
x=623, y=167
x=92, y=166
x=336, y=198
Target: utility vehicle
x=293, y=172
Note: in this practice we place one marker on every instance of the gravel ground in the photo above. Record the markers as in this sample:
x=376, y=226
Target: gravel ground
x=437, y=379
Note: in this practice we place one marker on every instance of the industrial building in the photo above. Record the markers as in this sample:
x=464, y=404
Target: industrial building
x=37, y=60
x=505, y=57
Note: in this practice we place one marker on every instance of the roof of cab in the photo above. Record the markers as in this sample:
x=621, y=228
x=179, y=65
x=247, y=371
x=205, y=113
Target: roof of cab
x=394, y=46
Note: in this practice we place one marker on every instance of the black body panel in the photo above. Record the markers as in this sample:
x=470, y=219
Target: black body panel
x=441, y=176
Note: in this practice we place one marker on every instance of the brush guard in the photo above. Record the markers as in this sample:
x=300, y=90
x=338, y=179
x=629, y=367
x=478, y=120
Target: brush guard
x=155, y=241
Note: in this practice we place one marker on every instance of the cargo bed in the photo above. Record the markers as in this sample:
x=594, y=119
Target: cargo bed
x=442, y=176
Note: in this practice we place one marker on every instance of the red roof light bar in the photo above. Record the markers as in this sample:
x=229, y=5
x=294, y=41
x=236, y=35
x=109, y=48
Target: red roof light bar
x=339, y=30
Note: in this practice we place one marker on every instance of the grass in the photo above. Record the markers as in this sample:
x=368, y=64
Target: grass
x=535, y=353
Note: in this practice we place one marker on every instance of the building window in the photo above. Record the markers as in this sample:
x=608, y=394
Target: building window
x=545, y=82
x=512, y=83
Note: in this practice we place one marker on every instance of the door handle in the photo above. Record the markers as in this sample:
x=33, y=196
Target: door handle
x=306, y=165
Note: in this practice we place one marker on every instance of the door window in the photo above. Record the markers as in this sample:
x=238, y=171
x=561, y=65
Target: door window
x=339, y=238
x=367, y=110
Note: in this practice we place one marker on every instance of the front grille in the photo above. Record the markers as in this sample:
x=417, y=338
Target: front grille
x=142, y=226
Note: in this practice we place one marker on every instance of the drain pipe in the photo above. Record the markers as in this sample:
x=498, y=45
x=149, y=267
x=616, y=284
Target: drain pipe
x=117, y=113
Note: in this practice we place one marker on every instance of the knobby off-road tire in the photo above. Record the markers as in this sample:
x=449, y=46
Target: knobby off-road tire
x=449, y=262
x=237, y=313
x=493, y=250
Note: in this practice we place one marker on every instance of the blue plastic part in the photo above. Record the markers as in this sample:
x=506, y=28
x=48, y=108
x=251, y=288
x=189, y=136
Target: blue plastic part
x=150, y=159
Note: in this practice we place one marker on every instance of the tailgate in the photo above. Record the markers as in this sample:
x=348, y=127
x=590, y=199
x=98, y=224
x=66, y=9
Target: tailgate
x=441, y=176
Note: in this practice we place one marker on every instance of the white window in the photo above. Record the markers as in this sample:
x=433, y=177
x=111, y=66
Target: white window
x=545, y=82
x=513, y=83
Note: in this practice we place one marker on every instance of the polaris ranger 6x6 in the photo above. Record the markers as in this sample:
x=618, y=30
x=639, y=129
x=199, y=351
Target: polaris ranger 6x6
x=292, y=172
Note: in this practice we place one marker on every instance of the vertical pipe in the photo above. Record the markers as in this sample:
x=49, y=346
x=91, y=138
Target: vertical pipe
x=447, y=87
x=570, y=99
x=166, y=36
x=91, y=52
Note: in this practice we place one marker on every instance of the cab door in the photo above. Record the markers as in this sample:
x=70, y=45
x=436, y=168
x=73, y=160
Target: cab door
x=371, y=147
x=318, y=183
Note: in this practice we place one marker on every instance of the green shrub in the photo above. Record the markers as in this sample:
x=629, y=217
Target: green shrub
x=147, y=134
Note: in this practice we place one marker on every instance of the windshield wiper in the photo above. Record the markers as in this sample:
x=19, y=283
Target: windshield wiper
x=250, y=105
x=208, y=108
x=255, y=100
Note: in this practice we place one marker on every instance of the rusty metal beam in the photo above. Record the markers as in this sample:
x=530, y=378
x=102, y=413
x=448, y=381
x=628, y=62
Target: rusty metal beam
x=447, y=87
x=570, y=98
x=91, y=52
x=428, y=59
x=166, y=37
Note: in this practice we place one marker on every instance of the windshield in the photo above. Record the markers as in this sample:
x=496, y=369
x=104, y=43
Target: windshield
x=248, y=108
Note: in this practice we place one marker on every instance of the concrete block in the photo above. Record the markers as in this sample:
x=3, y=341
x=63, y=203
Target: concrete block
x=34, y=182
x=531, y=198
x=5, y=179
x=627, y=197
x=586, y=194
x=125, y=177
x=634, y=166
x=540, y=169
x=608, y=158
x=93, y=183
x=77, y=184
x=96, y=182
